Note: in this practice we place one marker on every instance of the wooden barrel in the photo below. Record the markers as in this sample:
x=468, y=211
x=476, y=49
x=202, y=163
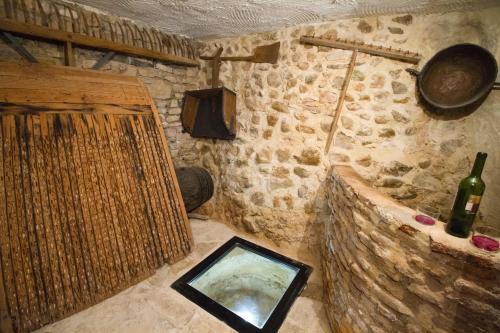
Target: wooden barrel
x=196, y=186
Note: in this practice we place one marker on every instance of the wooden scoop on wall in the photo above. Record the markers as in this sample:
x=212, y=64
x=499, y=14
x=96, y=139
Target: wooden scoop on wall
x=265, y=54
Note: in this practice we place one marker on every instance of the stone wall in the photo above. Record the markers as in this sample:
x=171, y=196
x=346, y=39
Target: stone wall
x=384, y=272
x=270, y=180
x=166, y=83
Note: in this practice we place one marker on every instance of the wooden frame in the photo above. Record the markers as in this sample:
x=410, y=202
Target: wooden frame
x=232, y=319
x=89, y=200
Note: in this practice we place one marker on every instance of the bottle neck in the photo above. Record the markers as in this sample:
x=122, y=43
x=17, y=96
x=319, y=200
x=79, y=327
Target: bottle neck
x=477, y=169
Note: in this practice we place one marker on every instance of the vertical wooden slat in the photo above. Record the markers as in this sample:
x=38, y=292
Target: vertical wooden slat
x=153, y=133
x=37, y=290
x=93, y=200
x=126, y=206
x=109, y=194
x=174, y=242
x=134, y=199
x=53, y=273
x=58, y=252
x=76, y=222
x=166, y=152
x=112, y=177
x=136, y=179
x=72, y=242
x=23, y=321
x=104, y=218
x=145, y=161
x=8, y=299
x=81, y=204
x=141, y=175
x=63, y=231
x=45, y=239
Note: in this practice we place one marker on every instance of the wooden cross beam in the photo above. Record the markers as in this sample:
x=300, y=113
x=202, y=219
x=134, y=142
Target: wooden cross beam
x=16, y=46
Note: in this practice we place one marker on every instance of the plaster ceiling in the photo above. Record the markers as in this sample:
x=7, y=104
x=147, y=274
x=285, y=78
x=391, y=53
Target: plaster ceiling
x=223, y=18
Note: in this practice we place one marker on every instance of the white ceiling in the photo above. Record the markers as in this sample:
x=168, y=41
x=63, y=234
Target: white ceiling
x=221, y=18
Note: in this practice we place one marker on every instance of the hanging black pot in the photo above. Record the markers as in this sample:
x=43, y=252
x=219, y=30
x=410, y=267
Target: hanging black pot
x=457, y=78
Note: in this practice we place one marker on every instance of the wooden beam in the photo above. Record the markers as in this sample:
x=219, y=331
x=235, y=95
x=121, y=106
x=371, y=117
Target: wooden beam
x=14, y=43
x=343, y=44
x=5, y=319
x=69, y=55
x=91, y=42
x=216, y=67
x=340, y=102
x=103, y=60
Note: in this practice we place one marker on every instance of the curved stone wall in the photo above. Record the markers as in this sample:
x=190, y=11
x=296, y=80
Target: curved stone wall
x=384, y=272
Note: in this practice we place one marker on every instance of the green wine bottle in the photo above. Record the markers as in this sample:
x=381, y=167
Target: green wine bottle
x=467, y=200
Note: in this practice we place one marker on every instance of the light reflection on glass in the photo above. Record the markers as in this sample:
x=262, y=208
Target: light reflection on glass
x=246, y=283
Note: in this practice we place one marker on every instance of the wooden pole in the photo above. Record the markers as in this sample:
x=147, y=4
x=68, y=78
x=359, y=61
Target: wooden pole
x=340, y=102
x=91, y=42
x=69, y=55
x=344, y=44
x=216, y=67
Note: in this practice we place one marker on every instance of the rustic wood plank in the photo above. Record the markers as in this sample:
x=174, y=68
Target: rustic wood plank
x=51, y=209
x=71, y=241
x=84, y=225
x=136, y=177
x=75, y=219
x=105, y=218
x=165, y=250
x=178, y=197
x=70, y=86
x=70, y=95
x=25, y=282
x=28, y=238
x=45, y=239
x=133, y=197
x=139, y=166
x=163, y=197
x=68, y=108
x=96, y=215
x=109, y=172
x=87, y=41
x=125, y=204
x=46, y=71
x=65, y=254
x=7, y=281
x=163, y=166
x=69, y=54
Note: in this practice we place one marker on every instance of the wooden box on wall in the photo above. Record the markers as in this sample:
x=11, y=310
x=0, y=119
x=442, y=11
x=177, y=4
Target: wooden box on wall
x=210, y=113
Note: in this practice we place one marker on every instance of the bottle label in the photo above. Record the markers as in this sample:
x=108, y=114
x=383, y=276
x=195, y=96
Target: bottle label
x=472, y=205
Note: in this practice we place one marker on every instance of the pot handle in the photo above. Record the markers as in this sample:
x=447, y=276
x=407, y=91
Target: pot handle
x=413, y=72
x=496, y=86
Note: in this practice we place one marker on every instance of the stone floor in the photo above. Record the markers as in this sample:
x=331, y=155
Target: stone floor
x=152, y=306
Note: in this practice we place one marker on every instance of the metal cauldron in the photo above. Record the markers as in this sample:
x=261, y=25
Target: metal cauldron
x=457, y=78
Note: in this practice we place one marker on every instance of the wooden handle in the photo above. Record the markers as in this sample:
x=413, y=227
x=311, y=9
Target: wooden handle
x=340, y=102
x=345, y=44
x=216, y=68
x=413, y=72
x=242, y=58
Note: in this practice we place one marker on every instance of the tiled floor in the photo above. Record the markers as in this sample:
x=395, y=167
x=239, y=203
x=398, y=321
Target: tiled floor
x=152, y=306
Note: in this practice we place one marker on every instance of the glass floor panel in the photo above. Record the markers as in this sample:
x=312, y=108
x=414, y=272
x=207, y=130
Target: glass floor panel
x=247, y=283
x=249, y=287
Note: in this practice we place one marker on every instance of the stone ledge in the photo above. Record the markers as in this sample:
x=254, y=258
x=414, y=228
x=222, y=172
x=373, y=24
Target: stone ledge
x=385, y=272
x=402, y=218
